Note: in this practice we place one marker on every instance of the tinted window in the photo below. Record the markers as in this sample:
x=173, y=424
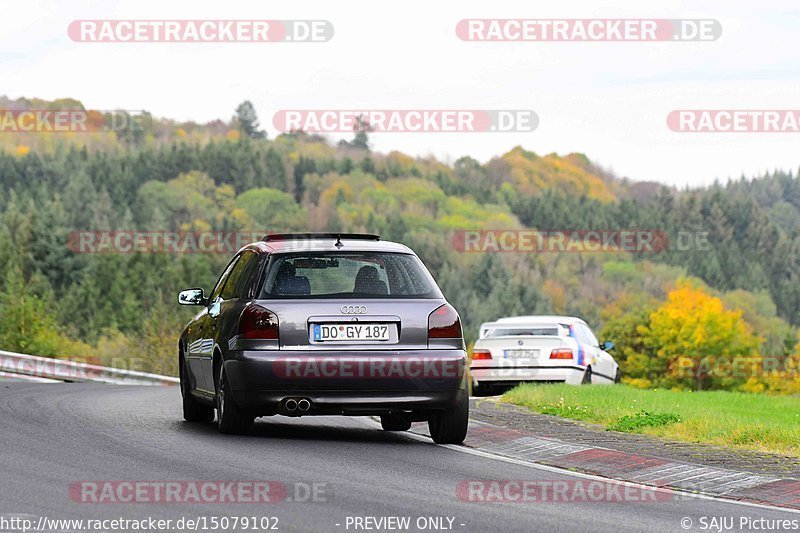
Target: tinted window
x=239, y=275
x=348, y=275
x=222, y=279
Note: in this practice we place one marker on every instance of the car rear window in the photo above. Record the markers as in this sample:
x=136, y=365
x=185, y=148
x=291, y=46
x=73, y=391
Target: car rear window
x=518, y=331
x=348, y=275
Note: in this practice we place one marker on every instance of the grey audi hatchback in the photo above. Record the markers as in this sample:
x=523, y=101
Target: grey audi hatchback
x=325, y=324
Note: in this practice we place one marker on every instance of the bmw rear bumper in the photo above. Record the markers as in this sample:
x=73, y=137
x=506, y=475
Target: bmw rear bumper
x=572, y=374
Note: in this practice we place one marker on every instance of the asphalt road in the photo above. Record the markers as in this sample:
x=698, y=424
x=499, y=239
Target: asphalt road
x=55, y=435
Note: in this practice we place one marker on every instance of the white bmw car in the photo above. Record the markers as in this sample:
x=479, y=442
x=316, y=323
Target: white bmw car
x=554, y=349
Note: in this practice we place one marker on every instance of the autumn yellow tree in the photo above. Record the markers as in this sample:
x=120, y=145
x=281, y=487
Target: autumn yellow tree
x=700, y=344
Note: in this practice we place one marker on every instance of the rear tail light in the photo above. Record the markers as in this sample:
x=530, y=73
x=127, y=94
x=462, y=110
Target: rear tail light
x=257, y=322
x=481, y=354
x=444, y=323
x=561, y=353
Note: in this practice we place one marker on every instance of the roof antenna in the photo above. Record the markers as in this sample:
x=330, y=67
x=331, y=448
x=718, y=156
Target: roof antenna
x=338, y=241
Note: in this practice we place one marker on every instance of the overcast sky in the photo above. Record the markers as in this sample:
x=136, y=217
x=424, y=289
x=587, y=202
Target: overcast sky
x=607, y=100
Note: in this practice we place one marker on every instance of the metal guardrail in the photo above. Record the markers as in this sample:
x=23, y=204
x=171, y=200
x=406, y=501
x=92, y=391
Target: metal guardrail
x=23, y=377
x=48, y=370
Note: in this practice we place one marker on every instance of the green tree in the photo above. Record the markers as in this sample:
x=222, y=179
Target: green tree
x=246, y=121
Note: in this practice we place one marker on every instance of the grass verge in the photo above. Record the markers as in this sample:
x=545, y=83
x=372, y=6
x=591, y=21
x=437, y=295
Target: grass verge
x=733, y=419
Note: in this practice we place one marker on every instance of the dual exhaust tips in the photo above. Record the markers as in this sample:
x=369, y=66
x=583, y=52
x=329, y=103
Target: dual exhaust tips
x=291, y=405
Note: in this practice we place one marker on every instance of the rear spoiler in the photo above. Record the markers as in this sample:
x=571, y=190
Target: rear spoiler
x=486, y=326
x=309, y=236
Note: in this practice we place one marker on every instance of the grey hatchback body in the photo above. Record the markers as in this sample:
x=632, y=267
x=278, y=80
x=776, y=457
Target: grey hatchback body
x=321, y=324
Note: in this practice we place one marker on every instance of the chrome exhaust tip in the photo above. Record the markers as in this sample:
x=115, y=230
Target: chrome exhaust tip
x=290, y=405
x=304, y=405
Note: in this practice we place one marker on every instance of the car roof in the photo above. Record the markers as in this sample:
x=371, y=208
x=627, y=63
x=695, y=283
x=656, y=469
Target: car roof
x=326, y=242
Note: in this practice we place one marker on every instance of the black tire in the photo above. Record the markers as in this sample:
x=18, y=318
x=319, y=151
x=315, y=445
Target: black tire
x=450, y=426
x=193, y=411
x=618, y=376
x=230, y=418
x=482, y=390
x=395, y=423
x=587, y=376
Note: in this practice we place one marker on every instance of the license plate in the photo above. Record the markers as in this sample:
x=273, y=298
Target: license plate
x=522, y=354
x=351, y=332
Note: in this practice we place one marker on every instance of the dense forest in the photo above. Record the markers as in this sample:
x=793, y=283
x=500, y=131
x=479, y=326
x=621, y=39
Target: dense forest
x=679, y=316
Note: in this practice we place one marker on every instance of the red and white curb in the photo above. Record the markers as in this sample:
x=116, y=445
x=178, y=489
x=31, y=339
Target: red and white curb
x=745, y=487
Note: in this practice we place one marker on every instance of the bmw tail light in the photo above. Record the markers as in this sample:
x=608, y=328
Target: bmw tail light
x=561, y=353
x=257, y=322
x=481, y=354
x=444, y=323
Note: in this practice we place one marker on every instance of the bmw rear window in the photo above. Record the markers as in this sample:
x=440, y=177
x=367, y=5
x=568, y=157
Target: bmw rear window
x=348, y=275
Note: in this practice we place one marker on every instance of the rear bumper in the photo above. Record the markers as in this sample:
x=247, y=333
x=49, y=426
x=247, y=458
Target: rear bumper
x=361, y=403
x=347, y=382
x=554, y=374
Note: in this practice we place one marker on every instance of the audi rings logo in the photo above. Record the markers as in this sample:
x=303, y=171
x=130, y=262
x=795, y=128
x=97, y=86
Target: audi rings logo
x=354, y=309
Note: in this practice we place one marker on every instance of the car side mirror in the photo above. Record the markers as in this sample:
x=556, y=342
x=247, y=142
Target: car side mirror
x=608, y=345
x=192, y=297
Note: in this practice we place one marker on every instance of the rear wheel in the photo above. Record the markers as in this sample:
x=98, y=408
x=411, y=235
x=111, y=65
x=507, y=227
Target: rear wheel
x=395, y=422
x=450, y=426
x=230, y=418
x=587, y=376
x=617, y=376
x=193, y=411
x=482, y=390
